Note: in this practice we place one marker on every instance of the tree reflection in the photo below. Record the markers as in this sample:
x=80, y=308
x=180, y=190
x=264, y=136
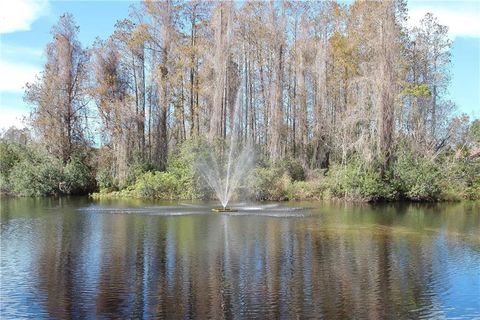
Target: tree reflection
x=364, y=262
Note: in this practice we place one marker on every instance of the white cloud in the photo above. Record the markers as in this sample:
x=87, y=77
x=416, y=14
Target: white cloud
x=18, y=15
x=13, y=51
x=462, y=19
x=15, y=75
x=12, y=117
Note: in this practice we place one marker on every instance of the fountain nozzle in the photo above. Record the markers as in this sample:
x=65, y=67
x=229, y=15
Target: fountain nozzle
x=224, y=209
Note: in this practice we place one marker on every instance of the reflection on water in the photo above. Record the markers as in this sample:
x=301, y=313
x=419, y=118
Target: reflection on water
x=64, y=258
x=184, y=209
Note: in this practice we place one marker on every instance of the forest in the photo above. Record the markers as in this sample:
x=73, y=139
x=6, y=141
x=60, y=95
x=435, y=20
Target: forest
x=339, y=101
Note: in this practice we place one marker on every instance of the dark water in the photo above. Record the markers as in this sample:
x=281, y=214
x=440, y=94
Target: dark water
x=72, y=258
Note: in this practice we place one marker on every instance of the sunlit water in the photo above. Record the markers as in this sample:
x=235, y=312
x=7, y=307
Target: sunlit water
x=73, y=258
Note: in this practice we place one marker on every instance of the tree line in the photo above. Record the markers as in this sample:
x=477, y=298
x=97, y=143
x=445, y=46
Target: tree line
x=318, y=82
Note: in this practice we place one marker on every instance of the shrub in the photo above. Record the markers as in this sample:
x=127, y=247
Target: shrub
x=158, y=185
x=357, y=182
x=304, y=190
x=105, y=180
x=472, y=192
x=294, y=169
x=36, y=178
x=417, y=179
x=29, y=171
x=77, y=176
x=138, y=167
x=180, y=165
x=9, y=156
x=462, y=180
x=270, y=183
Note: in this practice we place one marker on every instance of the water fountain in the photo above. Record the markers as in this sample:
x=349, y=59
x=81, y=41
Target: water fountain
x=224, y=170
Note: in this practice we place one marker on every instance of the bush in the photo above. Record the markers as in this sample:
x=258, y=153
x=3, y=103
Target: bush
x=104, y=180
x=178, y=182
x=77, y=176
x=136, y=169
x=417, y=179
x=358, y=182
x=410, y=177
x=472, y=192
x=304, y=190
x=270, y=183
x=26, y=170
x=462, y=180
x=181, y=166
x=40, y=177
x=9, y=156
x=294, y=169
x=157, y=185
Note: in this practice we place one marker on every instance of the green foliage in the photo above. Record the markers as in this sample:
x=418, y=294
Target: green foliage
x=104, y=179
x=358, y=182
x=179, y=181
x=37, y=176
x=305, y=190
x=417, y=178
x=27, y=170
x=157, y=185
x=9, y=156
x=410, y=177
x=419, y=90
x=181, y=166
x=472, y=192
x=294, y=169
x=270, y=183
x=137, y=169
x=77, y=176
x=282, y=180
x=474, y=132
x=462, y=180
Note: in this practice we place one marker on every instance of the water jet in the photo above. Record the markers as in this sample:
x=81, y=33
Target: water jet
x=226, y=168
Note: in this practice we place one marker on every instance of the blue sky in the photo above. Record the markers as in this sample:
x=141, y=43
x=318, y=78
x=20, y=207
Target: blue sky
x=25, y=30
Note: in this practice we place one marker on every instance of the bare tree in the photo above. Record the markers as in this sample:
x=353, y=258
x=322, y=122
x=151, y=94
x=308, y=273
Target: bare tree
x=59, y=94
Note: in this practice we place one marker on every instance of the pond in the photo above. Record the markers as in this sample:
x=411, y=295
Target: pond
x=79, y=258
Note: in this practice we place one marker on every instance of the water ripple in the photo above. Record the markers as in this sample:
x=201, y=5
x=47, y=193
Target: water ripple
x=118, y=262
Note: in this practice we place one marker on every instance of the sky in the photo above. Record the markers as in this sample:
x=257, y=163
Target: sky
x=25, y=30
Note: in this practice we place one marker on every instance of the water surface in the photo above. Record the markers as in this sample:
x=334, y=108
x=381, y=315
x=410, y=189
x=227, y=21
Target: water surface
x=76, y=258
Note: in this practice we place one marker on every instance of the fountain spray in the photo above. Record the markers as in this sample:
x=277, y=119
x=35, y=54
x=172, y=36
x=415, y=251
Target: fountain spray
x=222, y=174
